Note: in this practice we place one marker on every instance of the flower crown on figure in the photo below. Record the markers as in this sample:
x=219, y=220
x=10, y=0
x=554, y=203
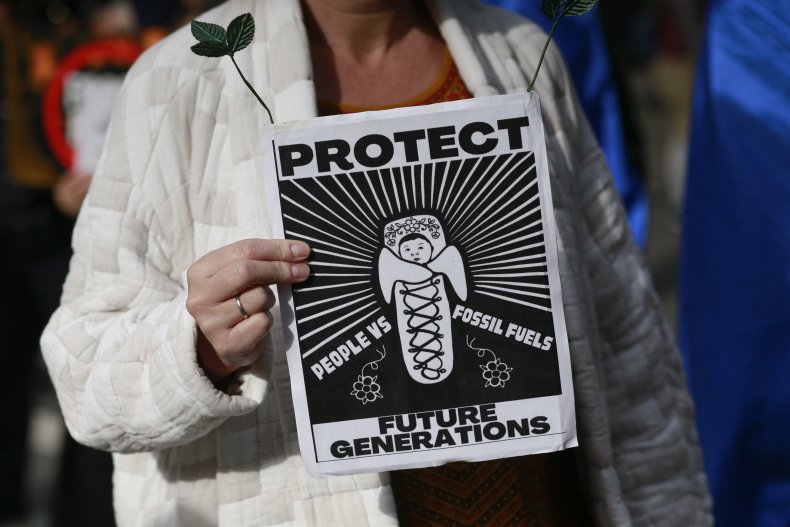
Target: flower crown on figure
x=426, y=225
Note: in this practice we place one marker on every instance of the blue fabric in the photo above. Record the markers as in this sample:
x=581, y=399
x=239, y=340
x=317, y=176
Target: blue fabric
x=735, y=285
x=582, y=44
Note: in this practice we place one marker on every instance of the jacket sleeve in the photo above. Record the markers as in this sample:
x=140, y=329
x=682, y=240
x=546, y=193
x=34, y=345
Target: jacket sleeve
x=649, y=412
x=121, y=347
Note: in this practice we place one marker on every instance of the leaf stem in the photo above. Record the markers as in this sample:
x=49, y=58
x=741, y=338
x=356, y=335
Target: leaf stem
x=481, y=352
x=252, y=90
x=543, y=53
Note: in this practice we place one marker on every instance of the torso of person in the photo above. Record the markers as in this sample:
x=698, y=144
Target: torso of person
x=535, y=491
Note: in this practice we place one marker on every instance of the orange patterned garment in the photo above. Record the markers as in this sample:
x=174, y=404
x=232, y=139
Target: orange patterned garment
x=532, y=491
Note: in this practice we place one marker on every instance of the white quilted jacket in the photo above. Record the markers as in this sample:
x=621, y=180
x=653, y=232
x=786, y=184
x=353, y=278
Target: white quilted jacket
x=182, y=175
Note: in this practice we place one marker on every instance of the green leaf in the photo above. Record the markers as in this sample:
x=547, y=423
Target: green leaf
x=207, y=33
x=240, y=32
x=210, y=49
x=580, y=7
x=215, y=41
x=556, y=9
x=552, y=8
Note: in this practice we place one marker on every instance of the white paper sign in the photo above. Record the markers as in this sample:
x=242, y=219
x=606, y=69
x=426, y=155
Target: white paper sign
x=88, y=99
x=431, y=329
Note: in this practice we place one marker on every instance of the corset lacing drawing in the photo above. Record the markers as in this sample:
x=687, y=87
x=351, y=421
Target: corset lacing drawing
x=425, y=344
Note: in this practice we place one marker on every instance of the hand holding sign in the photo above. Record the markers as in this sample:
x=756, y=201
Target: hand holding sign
x=230, y=298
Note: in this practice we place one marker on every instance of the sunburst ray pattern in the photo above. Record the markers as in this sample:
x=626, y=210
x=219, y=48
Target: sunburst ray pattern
x=489, y=207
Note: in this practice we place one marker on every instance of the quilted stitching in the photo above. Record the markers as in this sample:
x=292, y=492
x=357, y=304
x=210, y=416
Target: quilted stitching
x=181, y=176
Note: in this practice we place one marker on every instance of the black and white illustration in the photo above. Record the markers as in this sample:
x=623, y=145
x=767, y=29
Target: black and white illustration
x=433, y=291
x=415, y=267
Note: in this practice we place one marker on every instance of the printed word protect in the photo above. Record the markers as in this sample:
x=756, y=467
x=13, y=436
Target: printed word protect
x=376, y=150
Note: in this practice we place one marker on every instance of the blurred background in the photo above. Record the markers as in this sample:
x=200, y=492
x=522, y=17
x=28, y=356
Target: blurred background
x=634, y=63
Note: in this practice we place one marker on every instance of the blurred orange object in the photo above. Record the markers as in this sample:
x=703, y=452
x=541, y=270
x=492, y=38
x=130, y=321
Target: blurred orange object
x=151, y=35
x=41, y=64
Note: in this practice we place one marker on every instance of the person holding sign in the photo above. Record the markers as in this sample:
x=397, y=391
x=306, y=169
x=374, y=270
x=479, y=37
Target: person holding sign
x=166, y=349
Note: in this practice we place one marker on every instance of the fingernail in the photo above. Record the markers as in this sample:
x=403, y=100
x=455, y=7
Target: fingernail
x=300, y=271
x=300, y=250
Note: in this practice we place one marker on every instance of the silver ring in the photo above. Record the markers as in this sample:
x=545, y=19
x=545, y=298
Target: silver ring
x=244, y=314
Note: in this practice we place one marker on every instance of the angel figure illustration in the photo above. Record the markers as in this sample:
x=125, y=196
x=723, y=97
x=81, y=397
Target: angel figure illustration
x=415, y=266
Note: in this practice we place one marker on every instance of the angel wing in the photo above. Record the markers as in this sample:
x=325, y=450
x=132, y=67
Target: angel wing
x=450, y=264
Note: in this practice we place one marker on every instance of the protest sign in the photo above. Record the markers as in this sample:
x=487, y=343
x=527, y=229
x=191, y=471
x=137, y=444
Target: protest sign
x=431, y=328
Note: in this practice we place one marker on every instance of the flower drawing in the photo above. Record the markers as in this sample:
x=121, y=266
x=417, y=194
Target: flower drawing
x=496, y=373
x=366, y=389
x=412, y=225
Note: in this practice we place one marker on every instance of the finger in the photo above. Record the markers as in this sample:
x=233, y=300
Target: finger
x=245, y=274
x=244, y=336
x=224, y=315
x=255, y=300
x=84, y=183
x=252, y=249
